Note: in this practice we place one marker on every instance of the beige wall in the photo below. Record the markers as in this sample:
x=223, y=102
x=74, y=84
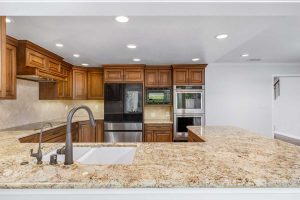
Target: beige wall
x=158, y=113
x=27, y=108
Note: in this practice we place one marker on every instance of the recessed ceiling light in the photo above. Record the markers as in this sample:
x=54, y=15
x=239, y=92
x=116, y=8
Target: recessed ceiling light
x=136, y=60
x=76, y=55
x=195, y=59
x=222, y=36
x=85, y=64
x=59, y=45
x=8, y=20
x=131, y=46
x=122, y=19
x=244, y=55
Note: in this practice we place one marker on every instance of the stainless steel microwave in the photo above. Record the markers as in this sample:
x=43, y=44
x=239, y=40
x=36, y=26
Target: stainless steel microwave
x=158, y=96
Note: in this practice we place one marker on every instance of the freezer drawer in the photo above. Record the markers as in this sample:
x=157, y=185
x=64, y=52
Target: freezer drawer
x=122, y=136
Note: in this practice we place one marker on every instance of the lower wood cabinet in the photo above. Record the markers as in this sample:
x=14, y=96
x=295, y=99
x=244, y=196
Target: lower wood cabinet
x=158, y=133
x=193, y=138
x=81, y=132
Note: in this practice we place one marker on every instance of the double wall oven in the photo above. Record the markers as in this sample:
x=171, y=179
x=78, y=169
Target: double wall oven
x=189, y=109
x=123, y=112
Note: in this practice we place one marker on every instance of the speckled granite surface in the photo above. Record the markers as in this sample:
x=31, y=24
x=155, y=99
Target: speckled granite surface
x=230, y=157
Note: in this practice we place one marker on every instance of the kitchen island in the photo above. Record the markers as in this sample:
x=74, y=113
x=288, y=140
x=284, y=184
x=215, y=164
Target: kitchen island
x=230, y=157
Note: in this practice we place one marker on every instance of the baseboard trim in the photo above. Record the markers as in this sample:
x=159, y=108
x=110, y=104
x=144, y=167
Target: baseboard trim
x=287, y=138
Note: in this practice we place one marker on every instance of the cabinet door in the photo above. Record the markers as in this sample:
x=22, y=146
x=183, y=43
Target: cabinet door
x=35, y=59
x=113, y=75
x=79, y=84
x=148, y=136
x=68, y=84
x=165, y=78
x=95, y=84
x=162, y=136
x=54, y=65
x=180, y=76
x=99, y=131
x=86, y=132
x=133, y=75
x=11, y=59
x=60, y=87
x=151, y=78
x=196, y=76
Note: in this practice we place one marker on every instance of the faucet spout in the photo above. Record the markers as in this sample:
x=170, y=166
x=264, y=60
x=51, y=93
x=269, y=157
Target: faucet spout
x=69, y=145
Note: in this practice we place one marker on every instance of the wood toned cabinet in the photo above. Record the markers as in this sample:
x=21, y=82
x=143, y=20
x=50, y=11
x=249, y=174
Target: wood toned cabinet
x=194, y=138
x=158, y=133
x=86, y=133
x=81, y=132
x=123, y=73
x=11, y=66
x=8, y=59
x=35, y=62
x=56, y=135
x=99, y=131
x=79, y=83
x=95, y=84
x=158, y=76
x=58, y=90
x=189, y=74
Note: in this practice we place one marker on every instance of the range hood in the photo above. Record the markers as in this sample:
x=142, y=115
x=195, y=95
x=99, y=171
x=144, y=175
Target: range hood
x=36, y=78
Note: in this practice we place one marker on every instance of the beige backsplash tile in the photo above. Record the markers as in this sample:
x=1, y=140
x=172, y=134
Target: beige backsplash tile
x=158, y=112
x=27, y=108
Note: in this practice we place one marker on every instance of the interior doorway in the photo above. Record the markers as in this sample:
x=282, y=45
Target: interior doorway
x=286, y=108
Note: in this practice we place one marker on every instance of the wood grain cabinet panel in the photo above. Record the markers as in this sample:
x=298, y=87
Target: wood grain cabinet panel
x=133, y=75
x=158, y=76
x=68, y=83
x=35, y=59
x=151, y=77
x=113, y=75
x=95, y=84
x=99, y=131
x=185, y=74
x=86, y=133
x=165, y=77
x=11, y=64
x=158, y=133
x=181, y=76
x=196, y=76
x=54, y=65
x=79, y=83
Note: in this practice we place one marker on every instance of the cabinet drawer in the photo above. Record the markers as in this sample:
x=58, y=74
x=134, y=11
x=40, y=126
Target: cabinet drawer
x=35, y=59
x=154, y=127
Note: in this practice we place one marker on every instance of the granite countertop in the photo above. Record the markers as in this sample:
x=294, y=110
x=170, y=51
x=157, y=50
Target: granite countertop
x=158, y=121
x=230, y=157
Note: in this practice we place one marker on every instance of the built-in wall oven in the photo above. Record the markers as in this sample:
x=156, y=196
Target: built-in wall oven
x=189, y=109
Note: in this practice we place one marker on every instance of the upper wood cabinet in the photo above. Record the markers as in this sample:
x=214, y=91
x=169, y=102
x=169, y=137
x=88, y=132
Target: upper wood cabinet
x=58, y=90
x=95, y=84
x=189, y=74
x=35, y=62
x=123, y=73
x=8, y=60
x=11, y=66
x=79, y=83
x=158, y=76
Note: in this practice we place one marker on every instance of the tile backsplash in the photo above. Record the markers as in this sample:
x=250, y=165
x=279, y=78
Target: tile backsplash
x=27, y=108
x=157, y=113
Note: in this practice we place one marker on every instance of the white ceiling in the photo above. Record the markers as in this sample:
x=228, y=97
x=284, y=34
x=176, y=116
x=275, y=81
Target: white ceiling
x=163, y=40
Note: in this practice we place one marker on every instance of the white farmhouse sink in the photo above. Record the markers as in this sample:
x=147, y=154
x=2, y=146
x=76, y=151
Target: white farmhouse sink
x=98, y=155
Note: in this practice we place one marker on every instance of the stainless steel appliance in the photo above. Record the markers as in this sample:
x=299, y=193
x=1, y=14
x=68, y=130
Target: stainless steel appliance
x=123, y=112
x=181, y=121
x=189, y=99
x=123, y=132
x=158, y=96
x=189, y=109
